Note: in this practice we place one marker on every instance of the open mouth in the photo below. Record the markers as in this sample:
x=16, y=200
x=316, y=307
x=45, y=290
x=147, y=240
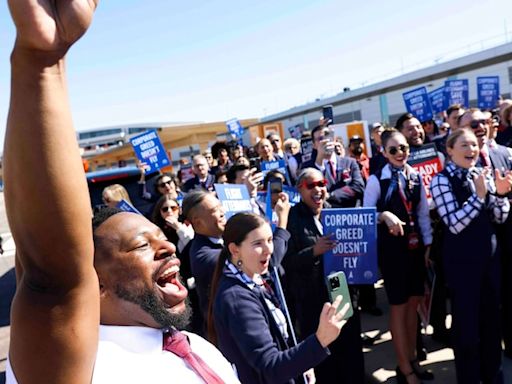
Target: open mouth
x=169, y=283
x=317, y=198
x=168, y=276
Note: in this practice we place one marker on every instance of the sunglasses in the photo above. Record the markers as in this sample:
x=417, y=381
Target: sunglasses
x=474, y=124
x=174, y=208
x=319, y=183
x=402, y=148
x=164, y=183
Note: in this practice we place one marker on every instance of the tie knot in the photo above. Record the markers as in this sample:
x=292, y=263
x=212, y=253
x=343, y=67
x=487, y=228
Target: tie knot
x=177, y=343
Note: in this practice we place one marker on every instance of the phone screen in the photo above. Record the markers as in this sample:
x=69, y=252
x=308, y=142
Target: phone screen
x=327, y=113
x=337, y=285
x=275, y=185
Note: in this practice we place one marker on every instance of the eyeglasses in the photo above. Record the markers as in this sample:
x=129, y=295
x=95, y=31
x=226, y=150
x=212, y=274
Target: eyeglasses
x=474, y=124
x=319, y=183
x=402, y=148
x=165, y=209
x=164, y=183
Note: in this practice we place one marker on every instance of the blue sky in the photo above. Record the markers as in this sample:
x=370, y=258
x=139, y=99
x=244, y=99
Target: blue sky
x=148, y=61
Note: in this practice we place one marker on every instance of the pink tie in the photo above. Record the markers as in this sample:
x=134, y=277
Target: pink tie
x=177, y=343
x=485, y=158
x=333, y=170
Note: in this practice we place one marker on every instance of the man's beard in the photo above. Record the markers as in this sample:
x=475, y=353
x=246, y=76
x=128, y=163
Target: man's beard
x=155, y=307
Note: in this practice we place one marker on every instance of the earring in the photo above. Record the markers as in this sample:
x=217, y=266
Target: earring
x=239, y=265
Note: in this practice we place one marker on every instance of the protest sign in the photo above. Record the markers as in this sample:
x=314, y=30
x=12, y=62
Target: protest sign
x=355, y=232
x=235, y=128
x=295, y=131
x=280, y=165
x=456, y=92
x=306, y=148
x=488, y=91
x=123, y=205
x=293, y=195
x=234, y=198
x=148, y=149
x=417, y=102
x=427, y=163
x=437, y=101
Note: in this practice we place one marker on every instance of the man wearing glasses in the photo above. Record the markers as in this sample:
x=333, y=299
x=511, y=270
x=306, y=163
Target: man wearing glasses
x=344, y=181
x=202, y=179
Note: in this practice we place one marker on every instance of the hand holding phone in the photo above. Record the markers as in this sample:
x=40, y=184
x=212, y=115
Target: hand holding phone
x=332, y=320
x=337, y=286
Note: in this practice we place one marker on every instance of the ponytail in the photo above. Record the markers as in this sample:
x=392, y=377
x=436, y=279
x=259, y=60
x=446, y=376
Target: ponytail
x=212, y=333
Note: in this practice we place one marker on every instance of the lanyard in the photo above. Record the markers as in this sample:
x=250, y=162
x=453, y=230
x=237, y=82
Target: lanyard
x=407, y=204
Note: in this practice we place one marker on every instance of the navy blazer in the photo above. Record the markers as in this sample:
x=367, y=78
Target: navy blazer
x=348, y=174
x=500, y=157
x=194, y=183
x=204, y=255
x=249, y=337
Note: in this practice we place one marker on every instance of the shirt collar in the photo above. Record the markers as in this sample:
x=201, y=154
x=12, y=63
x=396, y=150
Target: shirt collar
x=132, y=338
x=217, y=240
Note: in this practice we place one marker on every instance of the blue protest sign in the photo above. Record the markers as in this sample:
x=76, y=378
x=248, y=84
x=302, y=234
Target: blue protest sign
x=437, y=101
x=149, y=149
x=234, y=198
x=280, y=165
x=127, y=207
x=234, y=127
x=488, y=91
x=293, y=195
x=355, y=232
x=417, y=102
x=456, y=92
x=295, y=131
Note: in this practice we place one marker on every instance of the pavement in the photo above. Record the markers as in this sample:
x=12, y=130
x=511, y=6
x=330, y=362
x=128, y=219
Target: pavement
x=380, y=361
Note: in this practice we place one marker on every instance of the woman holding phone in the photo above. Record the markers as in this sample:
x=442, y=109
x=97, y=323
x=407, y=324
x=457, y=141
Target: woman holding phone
x=246, y=318
x=469, y=202
x=403, y=242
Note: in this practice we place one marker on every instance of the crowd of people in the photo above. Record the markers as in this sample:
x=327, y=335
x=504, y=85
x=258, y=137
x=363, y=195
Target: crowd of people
x=133, y=298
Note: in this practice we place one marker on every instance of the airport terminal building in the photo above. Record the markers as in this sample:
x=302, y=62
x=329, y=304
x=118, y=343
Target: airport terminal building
x=383, y=101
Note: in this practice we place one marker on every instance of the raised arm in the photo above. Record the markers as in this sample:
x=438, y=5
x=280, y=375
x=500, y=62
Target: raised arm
x=55, y=313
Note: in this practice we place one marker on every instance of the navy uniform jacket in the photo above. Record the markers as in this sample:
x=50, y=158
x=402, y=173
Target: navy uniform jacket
x=249, y=337
x=348, y=175
x=204, y=254
x=194, y=183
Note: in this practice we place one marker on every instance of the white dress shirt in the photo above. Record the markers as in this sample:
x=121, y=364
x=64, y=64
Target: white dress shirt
x=134, y=355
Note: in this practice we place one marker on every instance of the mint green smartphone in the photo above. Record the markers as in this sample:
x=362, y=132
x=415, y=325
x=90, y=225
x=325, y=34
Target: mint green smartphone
x=337, y=285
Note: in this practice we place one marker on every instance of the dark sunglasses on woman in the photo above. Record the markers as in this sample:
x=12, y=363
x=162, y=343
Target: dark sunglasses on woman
x=402, y=148
x=174, y=208
x=164, y=183
x=319, y=183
